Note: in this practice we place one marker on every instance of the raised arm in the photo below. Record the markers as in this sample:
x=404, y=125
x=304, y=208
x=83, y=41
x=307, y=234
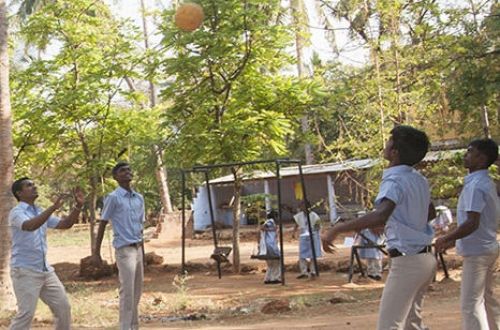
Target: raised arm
x=37, y=221
x=72, y=217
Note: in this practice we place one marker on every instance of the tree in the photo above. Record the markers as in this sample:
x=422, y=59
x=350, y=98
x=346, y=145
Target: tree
x=6, y=163
x=161, y=173
x=300, y=23
x=229, y=101
x=473, y=87
x=67, y=103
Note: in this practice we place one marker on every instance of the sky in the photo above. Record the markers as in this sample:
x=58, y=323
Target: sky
x=349, y=53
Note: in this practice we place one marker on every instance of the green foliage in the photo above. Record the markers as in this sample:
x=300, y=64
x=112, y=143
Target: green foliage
x=446, y=179
x=431, y=65
x=255, y=206
x=71, y=122
x=182, y=299
x=229, y=101
x=228, y=93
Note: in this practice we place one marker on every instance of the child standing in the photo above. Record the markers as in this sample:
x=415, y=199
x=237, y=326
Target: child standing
x=372, y=256
x=403, y=205
x=268, y=249
x=306, y=263
x=478, y=210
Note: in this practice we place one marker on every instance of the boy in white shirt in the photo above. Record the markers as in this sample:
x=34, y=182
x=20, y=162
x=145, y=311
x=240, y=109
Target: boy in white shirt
x=477, y=215
x=403, y=205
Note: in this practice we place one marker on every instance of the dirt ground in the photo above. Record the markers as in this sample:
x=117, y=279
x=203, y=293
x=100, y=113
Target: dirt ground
x=234, y=302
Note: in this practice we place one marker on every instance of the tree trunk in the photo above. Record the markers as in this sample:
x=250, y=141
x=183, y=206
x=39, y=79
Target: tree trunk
x=6, y=164
x=485, y=122
x=379, y=95
x=161, y=173
x=92, y=213
x=236, y=219
x=299, y=20
x=161, y=178
x=395, y=36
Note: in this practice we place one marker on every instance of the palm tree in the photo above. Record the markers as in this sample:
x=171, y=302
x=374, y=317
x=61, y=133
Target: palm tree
x=6, y=162
x=25, y=8
x=300, y=21
x=302, y=17
x=161, y=173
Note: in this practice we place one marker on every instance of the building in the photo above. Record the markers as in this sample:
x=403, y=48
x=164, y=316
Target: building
x=334, y=190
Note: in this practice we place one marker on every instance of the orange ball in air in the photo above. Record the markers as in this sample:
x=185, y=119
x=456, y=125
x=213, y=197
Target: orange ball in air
x=189, y=17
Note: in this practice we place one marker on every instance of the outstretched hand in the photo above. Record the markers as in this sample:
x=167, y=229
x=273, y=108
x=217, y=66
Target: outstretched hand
x=327, y=239
x=58, y=201
x=442, y=244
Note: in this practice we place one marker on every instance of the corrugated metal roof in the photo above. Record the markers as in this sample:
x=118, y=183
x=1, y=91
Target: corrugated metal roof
x=306, y=170
x=361, y=164
x=433, y=156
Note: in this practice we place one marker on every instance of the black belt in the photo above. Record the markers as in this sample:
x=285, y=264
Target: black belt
x=393, y=253
x=136, y=244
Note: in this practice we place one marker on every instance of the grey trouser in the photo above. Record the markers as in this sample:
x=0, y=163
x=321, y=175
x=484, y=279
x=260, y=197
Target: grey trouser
x=28, y=287
x=403, y=295
x=480, y=309
x=131, y=273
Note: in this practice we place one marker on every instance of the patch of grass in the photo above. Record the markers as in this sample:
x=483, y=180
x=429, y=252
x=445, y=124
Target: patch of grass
x=305, y=301
x=182, y=300
x=71, y=237
x=5, y=317
x=89, y=308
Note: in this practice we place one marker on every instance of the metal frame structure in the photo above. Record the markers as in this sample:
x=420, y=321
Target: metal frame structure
x=206, y=170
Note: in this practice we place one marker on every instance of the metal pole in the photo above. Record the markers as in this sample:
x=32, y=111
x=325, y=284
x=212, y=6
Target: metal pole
x=208, y=167
x=282, y=251
x=315, y=262
x=212, y=220
x=183, y=205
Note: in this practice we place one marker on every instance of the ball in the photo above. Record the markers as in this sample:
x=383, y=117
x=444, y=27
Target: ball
x=189, y=16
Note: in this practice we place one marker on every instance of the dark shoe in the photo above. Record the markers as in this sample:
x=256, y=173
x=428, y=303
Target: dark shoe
x=375, y=277
x=301, y=276
x=268, y=282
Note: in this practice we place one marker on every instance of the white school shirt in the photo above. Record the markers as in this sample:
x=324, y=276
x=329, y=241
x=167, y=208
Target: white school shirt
x=301, y=220
x=29, y=248
x=479, y=195
x=407, y=229
x=125, y=210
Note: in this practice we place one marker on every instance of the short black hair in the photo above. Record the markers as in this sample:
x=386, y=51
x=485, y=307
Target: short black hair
x=118, y=166
x=272, y=214
x=487, y=147
x=411, y=143
x=17, y=186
